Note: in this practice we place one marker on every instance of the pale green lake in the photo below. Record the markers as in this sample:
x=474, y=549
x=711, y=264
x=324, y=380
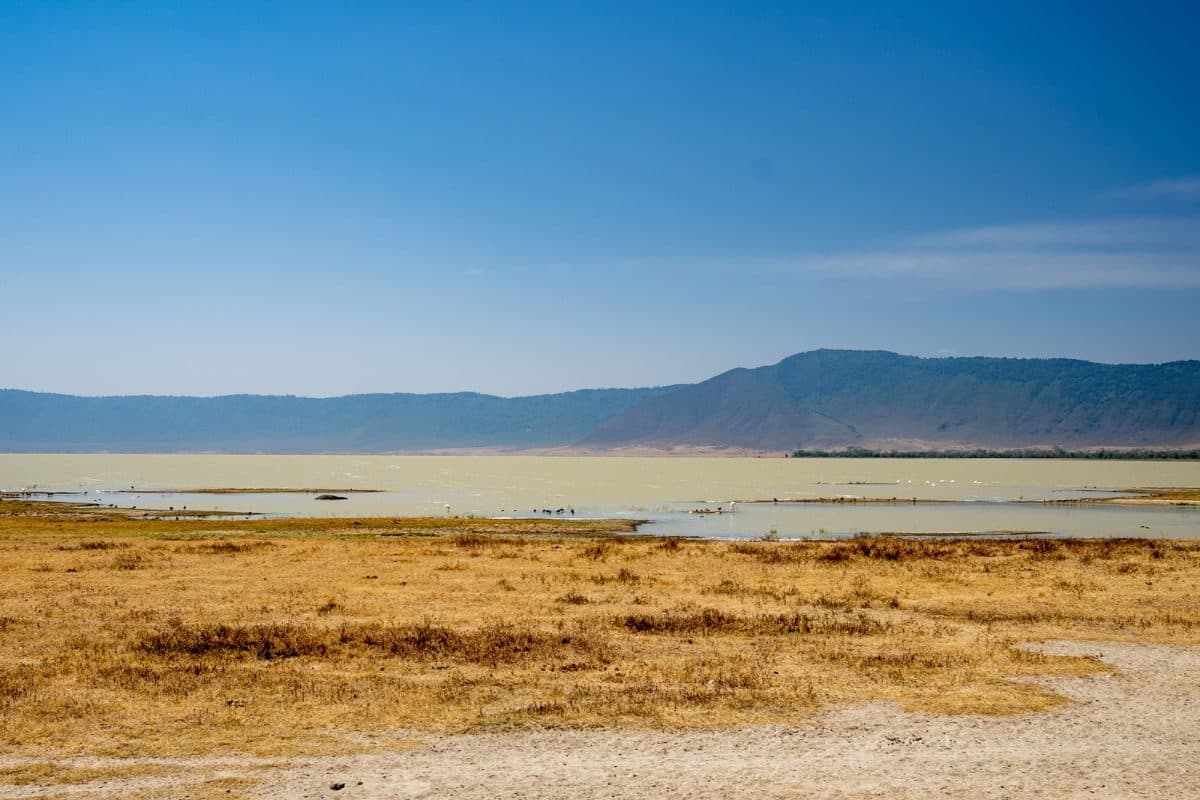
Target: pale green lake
x=661, y=489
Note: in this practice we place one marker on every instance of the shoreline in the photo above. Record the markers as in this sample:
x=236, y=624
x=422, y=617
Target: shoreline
x=1133, y=497
x=250, y=490
x=14, y=512
x=1179, y=496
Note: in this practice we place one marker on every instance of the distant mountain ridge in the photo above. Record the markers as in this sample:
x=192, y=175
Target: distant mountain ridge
x=366, y=423
x=818, y=399
x=841, y=398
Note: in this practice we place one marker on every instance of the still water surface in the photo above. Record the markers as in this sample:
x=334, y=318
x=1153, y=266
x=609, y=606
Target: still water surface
x=663, y=490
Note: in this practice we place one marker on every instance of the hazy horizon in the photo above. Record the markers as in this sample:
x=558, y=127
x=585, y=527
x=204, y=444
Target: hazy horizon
x=585, y=388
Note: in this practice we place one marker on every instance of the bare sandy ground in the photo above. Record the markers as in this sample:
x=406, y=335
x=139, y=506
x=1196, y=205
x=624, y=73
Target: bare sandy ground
x=1134, y=733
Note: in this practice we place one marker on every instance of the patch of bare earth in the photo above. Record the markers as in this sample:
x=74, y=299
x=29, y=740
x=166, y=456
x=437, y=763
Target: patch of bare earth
x=1130, y=733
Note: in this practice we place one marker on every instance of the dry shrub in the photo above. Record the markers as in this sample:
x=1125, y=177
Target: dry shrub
x=983, y=548
x=836, y=555
x=127, y=561
x=625, y=576
x=886, y=548
x=261, y=641
x=774, y=552
x=598, y=551
x=328, y=607
x=228, y=547
x=731, y=588
x=711, y=621
x=1102, y=549
x=489, y=645
x=728, y=587
x=1078, y=617
x=470, y=541
x=96, y=544
x=1043, y=549
x=830, y=601
x=498, y=544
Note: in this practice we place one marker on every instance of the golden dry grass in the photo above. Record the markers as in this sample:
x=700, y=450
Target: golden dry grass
x=138, y=780
x=49, y=773
x=125, y=637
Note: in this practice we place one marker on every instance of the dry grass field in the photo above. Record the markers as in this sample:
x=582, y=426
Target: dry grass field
x=271, y=638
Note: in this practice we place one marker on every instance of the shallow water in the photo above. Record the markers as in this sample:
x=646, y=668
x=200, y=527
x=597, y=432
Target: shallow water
x=660, y=489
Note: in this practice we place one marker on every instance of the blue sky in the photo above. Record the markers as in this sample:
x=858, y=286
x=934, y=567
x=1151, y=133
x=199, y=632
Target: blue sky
x=321, y=198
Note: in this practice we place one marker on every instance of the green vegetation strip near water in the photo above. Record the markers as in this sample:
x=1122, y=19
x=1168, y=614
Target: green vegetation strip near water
x=1089, y=455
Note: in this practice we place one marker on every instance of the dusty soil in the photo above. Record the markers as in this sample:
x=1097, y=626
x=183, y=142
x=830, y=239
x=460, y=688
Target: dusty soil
x=1131, y=733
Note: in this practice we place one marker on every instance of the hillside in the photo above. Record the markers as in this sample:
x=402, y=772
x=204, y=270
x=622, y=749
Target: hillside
x=820, y=399
x=372, y=423
x=837, y=398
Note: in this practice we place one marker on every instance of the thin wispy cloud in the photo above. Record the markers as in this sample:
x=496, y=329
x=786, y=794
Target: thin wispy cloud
x=1185, y=188
x=1132, y=232
x=1125, y=252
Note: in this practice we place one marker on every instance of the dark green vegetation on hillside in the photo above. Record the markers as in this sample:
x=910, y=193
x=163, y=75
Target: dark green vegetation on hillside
x=822, y=400
x=1130, y=454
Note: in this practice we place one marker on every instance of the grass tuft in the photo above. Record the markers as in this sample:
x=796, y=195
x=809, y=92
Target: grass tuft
x=489, y=645
x=712, y=621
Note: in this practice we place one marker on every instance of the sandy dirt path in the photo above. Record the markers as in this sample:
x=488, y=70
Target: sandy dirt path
x=1132, y=734
x=1135, y=733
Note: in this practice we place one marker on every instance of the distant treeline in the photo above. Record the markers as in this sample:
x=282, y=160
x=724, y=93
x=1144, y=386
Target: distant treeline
x=1029, y=452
